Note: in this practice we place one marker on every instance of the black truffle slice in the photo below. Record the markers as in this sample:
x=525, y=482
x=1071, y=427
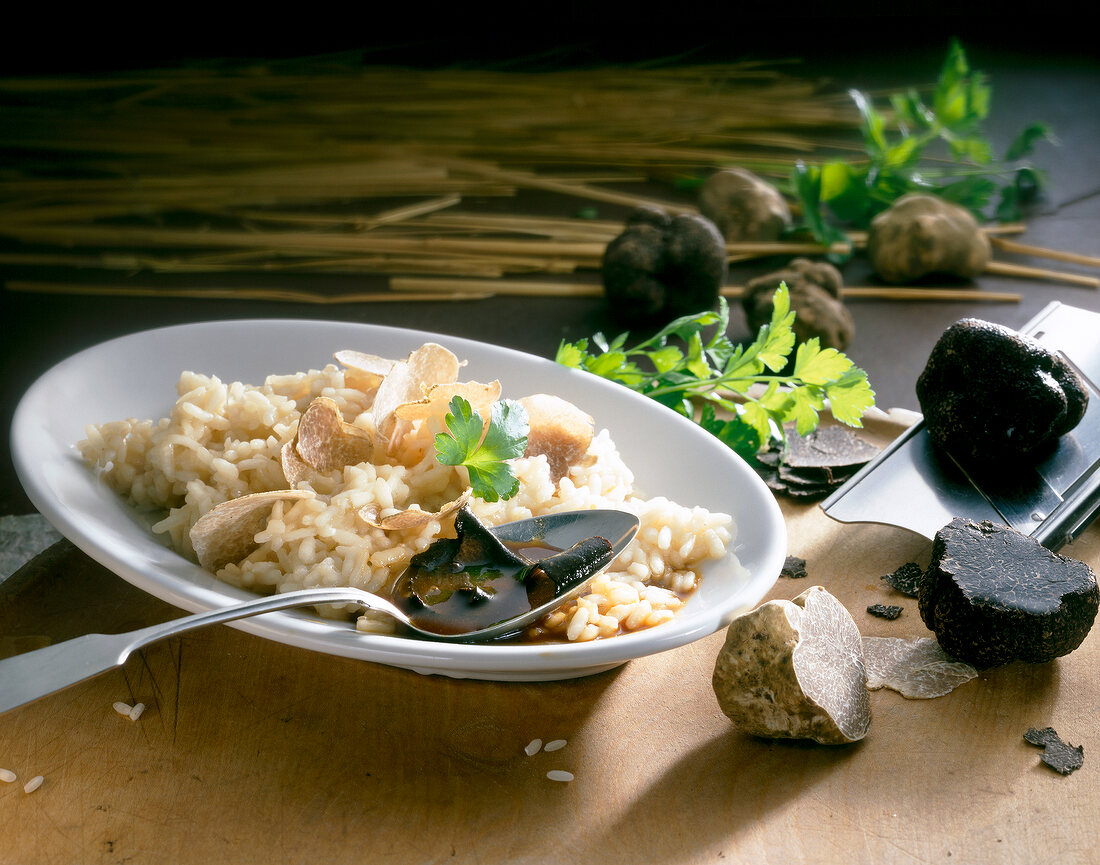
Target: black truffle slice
x=828, y=447
x=993, y=595
x=1060, y=756
x=990, y=394
x=812, y=466
x=885, y=611
x=906, y=579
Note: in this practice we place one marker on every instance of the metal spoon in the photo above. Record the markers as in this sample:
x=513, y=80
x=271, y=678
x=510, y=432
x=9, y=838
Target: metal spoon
x=32, y=675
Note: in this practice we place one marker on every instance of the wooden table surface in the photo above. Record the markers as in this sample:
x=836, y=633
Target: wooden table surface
x=252, y=751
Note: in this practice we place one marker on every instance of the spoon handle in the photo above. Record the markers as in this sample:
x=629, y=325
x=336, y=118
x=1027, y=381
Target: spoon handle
x=27, y=677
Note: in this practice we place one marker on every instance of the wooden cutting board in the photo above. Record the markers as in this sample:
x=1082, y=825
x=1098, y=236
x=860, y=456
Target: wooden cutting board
x=255, y=752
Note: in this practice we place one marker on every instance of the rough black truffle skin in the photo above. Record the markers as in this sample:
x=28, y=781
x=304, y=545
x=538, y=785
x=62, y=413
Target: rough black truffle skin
x=990, y=394
x=992, y=595
x=662, y=266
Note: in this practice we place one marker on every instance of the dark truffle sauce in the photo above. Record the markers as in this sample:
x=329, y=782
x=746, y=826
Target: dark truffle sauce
x=459, y=597
x=456, y=596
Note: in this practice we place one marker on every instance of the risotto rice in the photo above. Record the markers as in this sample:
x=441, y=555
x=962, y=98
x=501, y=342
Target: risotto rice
x=224, y=440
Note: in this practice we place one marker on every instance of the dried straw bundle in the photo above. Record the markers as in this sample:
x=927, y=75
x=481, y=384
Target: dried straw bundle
x=328, y=166
x=309, y=166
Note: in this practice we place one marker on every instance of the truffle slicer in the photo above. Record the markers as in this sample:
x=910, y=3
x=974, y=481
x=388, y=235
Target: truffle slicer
x=913, y=486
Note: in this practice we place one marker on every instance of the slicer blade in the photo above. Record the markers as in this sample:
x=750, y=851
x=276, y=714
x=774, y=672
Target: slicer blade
x=914, y=486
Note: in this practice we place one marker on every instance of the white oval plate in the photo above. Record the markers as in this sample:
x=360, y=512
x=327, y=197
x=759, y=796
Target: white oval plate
x=136, y=375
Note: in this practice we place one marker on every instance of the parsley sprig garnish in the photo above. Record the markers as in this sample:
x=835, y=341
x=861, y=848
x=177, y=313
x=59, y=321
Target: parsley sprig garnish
x=900, y=157
x=484, y=450
x=699, y=375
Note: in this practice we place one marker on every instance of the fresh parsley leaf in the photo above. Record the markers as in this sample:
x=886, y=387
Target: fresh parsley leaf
x=705, y=373
x=897, y=160
x=572, y=354
x=735, y=433
x=850, y=396
x=485, y=449
x=819, y=366
x=1026, y=139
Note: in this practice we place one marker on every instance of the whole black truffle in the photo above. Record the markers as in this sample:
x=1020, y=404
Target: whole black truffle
x=662, y=267
x=990, y=394
x=993, y=595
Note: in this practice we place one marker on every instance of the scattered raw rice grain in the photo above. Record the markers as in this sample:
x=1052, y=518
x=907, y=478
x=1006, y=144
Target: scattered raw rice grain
x=135, y=712
x=559, y=775
x=7, y=776
x=123, y=709
x=33, y=784
x=556, y=745
x=533, y=747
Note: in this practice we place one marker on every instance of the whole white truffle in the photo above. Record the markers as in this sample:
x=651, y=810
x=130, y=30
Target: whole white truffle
x=743, y=206
x=921, y=234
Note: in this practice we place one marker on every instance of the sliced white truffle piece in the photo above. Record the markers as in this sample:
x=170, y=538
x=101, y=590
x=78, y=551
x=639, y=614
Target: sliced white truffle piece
x=411, y=518
x=227, y=532
x=794, y=670
x=918, y=669
x=558, y=430
x=406, y=381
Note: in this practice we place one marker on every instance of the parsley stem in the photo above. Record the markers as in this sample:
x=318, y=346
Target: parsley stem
x=709, y=384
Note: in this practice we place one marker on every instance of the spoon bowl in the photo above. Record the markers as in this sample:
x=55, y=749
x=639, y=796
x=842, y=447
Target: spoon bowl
x=32, y=675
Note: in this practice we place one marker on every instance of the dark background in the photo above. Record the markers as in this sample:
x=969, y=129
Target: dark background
x=530, y=34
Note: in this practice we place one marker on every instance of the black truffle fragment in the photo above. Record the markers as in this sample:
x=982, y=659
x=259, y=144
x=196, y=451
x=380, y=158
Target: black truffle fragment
x=990, y=394
x=906, y=579
x=794, y=568
x=993, y=595
x=1060, y=756
x=662, y=266
x=885, y=611
x=833, y=449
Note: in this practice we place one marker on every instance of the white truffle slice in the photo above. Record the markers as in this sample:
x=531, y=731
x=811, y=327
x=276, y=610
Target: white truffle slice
x=227, y=532
x=918, y=669
x=794, y=670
